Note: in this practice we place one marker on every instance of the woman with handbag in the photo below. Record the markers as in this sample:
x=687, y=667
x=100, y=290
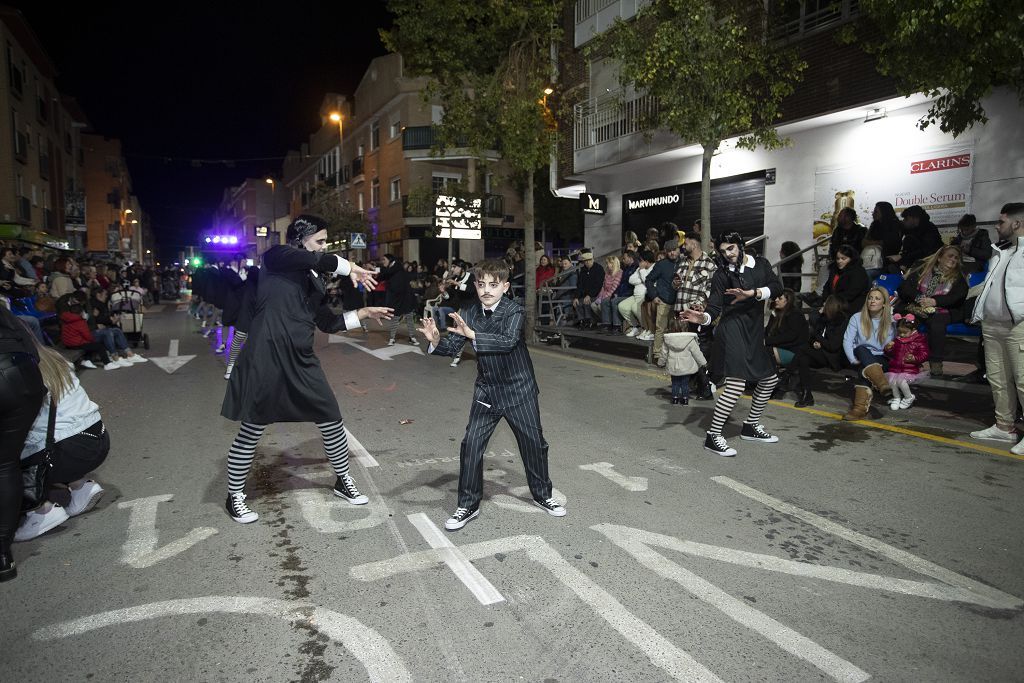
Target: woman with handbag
x=21, y=393
x=935, y=292
x=73, y=437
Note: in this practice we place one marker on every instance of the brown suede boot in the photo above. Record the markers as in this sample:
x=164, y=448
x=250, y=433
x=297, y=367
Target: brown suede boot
x=861, y=402
x=874, y=374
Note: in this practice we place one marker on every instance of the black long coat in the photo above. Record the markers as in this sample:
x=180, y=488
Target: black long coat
x=278, y=377
x=231, y=286
x=399, y=294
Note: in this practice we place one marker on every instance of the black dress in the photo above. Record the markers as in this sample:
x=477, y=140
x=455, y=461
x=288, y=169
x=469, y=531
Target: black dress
x=279, y=378
x=739, y=349
x=247, y=300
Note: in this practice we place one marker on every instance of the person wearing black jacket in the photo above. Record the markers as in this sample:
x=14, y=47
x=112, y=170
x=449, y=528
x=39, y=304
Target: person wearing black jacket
x=921, y=238
x=231, y=282
x=974, y=242
x=936, y=290
x=400, y=297
x=786, y=333
x=849, y=280
x=887, y=232
x=21, y=395
x=847, y=232
x=824, y=348
x=589, y=282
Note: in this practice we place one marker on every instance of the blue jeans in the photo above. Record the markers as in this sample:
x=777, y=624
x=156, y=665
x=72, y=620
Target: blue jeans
x=610, y=311
x=113, y=339
x=866, y=356
x=680, y=386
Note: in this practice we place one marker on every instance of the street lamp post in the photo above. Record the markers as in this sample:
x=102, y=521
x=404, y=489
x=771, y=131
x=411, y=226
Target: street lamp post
x=340, y=120
x=273, y=206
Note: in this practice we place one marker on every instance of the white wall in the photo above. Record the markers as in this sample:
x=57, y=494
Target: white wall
x=789, y=203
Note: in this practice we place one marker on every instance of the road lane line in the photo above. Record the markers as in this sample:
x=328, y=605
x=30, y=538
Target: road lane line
x=607, y=470
x=970, y=445
x=140, y=549
x=356, y=448
x=478, y=585
x=986, y=595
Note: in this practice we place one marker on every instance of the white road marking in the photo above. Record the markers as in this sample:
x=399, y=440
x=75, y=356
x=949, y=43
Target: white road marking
x=140, y=549
x=182, y=307
x=464, y=571
x=385, y=353
x=637, y=543
x=607, y=470
x=359, y=452
x=172, y=361
x=372, y=650
x=518, y=496
x=973, y=591
x=318, y=505
x=675, y=662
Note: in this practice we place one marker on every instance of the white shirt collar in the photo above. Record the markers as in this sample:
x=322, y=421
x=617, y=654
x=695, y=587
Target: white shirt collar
x=493, y=308
x=748, y=262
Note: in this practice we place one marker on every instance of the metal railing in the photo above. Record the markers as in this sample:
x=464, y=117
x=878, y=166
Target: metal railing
x=588, y=8
x=820, y=242
x=611, y=116
x=815, y=16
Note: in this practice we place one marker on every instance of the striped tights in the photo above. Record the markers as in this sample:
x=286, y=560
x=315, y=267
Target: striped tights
x=731, y=393
x=236, y=346
x=243, y=450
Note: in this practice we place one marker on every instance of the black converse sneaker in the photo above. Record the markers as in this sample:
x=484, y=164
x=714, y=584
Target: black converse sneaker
x=551, y=507
x=717, y=444
x=345, y=488
x=756, y=432
x=238, y=510
x=460, y=518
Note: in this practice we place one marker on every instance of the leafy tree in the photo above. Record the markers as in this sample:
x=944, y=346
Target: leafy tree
x=343, y=217
x=955, y=51
x=712, y=72
x=488, y=63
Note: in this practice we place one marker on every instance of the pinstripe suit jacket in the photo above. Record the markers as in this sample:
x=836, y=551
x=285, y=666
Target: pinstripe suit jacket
x=504, y=375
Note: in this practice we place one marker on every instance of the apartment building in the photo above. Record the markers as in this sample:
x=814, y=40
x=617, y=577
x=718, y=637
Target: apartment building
x=377, y=160
x=854, y=142
x=41, y=161
x=252, y=213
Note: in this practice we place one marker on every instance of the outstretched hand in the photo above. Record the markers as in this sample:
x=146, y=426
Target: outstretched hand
x=362, y=276
x=692, y=315
x=429, y=330
x=378, y=313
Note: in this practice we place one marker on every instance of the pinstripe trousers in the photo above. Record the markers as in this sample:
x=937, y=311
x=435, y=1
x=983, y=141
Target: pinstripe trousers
x=524, y=419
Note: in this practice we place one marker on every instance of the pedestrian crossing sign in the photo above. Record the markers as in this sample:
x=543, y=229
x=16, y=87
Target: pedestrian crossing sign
x=357, y=240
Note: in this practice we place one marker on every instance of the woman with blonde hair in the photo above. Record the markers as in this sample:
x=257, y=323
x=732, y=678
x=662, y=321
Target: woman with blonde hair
x=935, y=292
x=867, y=334
x=81, y=444
x=601, y=305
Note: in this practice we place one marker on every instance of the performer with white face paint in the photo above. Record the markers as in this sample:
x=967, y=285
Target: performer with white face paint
x=279, y=378
x=739, y=289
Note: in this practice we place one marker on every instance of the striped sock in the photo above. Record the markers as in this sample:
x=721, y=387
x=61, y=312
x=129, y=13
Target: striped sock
x=236, y=346
x=241, y=455
x=762, y=393
x=725, y=403
x=335, y=445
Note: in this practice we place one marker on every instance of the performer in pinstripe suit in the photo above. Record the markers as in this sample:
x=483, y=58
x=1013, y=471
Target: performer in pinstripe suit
x=505, y=388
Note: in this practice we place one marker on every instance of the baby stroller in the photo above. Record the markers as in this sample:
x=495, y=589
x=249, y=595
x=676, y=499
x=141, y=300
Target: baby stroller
x=169, y=287
x=128, y=303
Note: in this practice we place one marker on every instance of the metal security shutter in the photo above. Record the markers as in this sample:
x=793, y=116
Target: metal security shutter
x=737, y=204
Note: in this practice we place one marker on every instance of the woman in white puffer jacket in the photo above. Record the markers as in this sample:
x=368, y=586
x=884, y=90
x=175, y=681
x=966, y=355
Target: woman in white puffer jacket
x=629, y=308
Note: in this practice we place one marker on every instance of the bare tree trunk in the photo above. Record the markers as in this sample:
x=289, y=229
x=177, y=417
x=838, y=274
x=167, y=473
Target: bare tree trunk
x=705, y=196
x=530, y=256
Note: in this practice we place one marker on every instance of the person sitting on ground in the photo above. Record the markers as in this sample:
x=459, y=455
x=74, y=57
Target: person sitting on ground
x=81, y=444
x=786, y=334
x=847, y=279
x=867, y=333
x=75, y=334
x=907, y=352
x=601, y=305
x=935, y=293
x=974, y=242
x=824, y=348
x=112, y=337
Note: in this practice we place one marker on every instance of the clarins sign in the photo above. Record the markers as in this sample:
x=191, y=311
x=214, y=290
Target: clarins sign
x=665, y=197
x=941, y=164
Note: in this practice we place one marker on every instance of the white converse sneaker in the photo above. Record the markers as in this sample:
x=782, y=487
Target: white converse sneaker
x=88, y=364
x=717, y=444
x=756, y=432
x=551, y=507
x=239, y=511
x=907, y=402
x=85, y=498
x=391, y=342
x=994, y=433
x=460, y=518
x=38, y=523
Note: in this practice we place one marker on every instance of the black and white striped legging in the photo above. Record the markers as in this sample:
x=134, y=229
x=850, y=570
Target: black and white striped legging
x=243, y=451
x=731, y=393
x=236, y=346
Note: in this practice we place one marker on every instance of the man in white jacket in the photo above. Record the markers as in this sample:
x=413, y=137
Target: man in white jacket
x=1000, y=310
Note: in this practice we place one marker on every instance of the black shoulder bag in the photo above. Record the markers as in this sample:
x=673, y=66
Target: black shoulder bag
x=35, y=470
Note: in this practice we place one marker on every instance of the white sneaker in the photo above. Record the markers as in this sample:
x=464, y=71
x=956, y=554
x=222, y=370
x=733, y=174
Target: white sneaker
x=633, y=331
x=391, y=342
x=84, y=498
x=645, y=336
x=1019, y=448
x=894, y=404
x=994, y=433
x=38, y=523
x=124, y=362
x=207, y=332
x=88, y=364
x=413, y=342
x=220, y=348
x=907, y=402
x=227, y=373
x=136, y=359
x=454, y=363
x=113, y=365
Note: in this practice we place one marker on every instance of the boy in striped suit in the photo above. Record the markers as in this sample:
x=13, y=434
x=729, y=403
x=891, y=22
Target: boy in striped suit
x=505, y=388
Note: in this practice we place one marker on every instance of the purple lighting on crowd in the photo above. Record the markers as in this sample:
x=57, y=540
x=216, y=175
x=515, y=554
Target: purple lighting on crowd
x=221, y=240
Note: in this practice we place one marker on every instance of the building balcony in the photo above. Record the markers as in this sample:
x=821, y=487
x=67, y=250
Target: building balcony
x=594, y=17
x=356, y=173
x=610, y=129
x=418, y=141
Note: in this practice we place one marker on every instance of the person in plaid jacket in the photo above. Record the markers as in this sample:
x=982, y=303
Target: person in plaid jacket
x=693, y=285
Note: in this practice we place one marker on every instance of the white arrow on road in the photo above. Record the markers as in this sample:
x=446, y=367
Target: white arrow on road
x=607, y=470
x=172, y=361
x=387, y=353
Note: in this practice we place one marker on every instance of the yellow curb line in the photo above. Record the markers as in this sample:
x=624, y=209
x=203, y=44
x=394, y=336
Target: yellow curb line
x=989, y=450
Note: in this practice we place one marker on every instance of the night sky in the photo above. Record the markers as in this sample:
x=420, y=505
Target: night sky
x=204, y=81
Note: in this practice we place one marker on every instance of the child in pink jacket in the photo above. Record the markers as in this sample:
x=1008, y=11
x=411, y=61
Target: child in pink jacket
x=907, y=352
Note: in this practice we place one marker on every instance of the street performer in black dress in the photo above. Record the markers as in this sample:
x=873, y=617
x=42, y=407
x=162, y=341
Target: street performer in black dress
x=739, y=289
x=279, y=378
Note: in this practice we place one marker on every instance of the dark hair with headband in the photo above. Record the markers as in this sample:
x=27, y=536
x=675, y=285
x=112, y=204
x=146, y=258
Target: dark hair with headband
x=304, y=227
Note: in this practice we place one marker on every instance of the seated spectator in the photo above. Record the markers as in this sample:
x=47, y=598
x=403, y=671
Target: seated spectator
x=824, y=348
x=565, y=285
x=60, y=280
x=848, y=231
x=883, y=241
x=589, y=281
x=630, y=307
x=41, y=299
x=864, y=341
x=935, y=293
x=786, y=333
x=75, y=334
x=790, y=272
x=545, y=271
x=848, y=280
x=907, y=352
x=631, y=242
x=81, y=444
x=12, y=283
x=921, y=238
x=974, y=243
x=602, y=303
